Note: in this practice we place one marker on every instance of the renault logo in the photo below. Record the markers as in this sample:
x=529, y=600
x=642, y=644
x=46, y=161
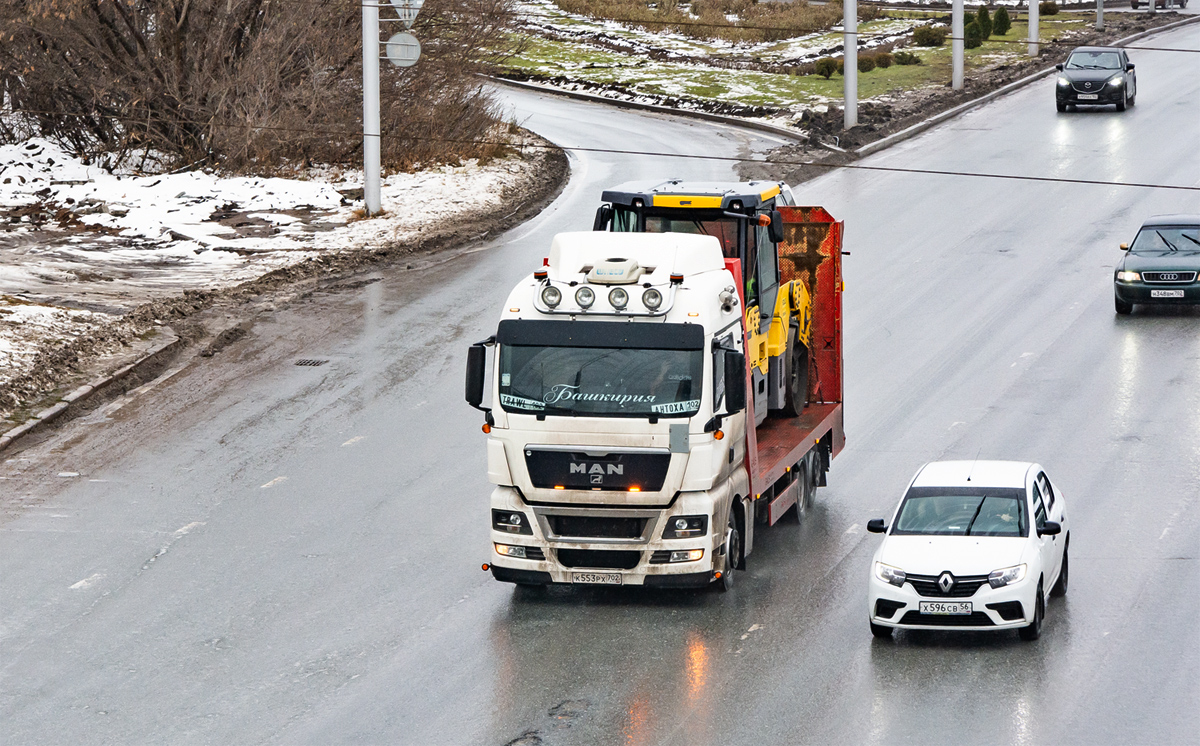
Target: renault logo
x=945, y=582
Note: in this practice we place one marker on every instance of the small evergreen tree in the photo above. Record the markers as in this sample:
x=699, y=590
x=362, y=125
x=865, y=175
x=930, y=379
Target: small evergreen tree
x=884, y=60
x=972, y=36
x=826, y=67
x=1001, y=23
x=929, y=36
x=907, y=58
x=984, y=21
x=1048, y=8
x=866, y=63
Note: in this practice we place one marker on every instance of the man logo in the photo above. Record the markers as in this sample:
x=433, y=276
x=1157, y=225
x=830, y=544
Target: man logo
x=597, y=469
x=597, y=479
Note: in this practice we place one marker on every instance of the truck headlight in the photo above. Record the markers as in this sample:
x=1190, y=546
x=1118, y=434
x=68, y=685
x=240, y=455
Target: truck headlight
x=889, y=574
x=1124, y=276
x=1006, y=576
x=585, y=297
x=509, y=550
x=618, y=298
x=511, y=522
x=652, y=299
x=551, y=296
x=687, y=555
x=685, y=526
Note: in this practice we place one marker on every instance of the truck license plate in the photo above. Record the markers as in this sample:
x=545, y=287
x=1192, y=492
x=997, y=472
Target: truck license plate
x=601, y=578
x=1088, y=96
x=1166, y=293
x=944, y=607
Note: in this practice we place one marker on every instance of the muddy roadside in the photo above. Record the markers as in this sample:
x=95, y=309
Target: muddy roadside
x=206, y=320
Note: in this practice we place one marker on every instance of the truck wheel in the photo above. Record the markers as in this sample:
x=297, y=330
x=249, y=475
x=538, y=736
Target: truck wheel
x=804, y=499
x=795, y=374
x=733, y=553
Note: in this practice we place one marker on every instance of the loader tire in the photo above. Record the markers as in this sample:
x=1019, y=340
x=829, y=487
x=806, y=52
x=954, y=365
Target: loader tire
x=795, y=375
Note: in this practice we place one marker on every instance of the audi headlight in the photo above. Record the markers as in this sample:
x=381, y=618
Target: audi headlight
x=652, y=299
x=1116, y=81
x=1124, y=276
x=889, y=574
x=1006, y=576
x=585, y=297
x=551, y=296
x=618, y=298
x=1064, y=81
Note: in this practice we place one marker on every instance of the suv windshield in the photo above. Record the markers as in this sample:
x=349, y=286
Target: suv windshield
x=1094, y=61
x=1153, y=239
x=600, y=369
x=959, y=511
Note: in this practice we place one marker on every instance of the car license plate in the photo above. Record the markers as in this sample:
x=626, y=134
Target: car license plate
x=1088, y=96
x=600, y=578
x=1166, y=293
x=945, y=607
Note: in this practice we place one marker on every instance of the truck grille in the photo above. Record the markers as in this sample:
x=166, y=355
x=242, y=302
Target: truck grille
x=974, y=619
x=1168, y=278
x=964, y=585
x=599, y=559
x=599, y=527
x=534, y=553
x=549, y=469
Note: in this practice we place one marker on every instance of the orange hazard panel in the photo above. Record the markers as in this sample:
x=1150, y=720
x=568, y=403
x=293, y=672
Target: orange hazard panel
x=811, y=252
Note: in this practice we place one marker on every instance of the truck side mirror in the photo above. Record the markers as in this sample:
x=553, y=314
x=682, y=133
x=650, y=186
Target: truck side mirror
x=876, y=526
x=775, y=229
x=604, y=214
x=735, y=382
x=476, y=365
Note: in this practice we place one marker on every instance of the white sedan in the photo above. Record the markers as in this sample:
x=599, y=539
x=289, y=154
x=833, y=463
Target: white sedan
x=977, y=545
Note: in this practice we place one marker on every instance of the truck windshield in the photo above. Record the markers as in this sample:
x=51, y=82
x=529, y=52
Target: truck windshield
x=600, y=369
x=699, y=222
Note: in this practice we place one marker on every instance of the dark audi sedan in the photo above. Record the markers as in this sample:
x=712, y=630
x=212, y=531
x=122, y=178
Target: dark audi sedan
x=1161, y=265
x=1096, y=76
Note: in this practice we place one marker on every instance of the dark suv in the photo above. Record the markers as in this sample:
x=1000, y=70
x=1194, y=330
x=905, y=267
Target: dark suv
x=1096, y=76
x=1161, y=265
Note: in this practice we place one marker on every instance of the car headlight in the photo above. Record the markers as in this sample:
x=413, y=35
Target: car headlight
x=1006, y=576
x=1116, y=81
x=889, y=574
x=1064, y=81
x=1124, y=276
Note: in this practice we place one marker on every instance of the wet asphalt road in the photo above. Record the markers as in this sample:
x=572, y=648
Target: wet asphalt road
x=255, y=552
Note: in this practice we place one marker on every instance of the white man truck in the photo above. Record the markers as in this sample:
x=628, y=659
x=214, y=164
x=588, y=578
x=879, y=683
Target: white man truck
x=622, y=441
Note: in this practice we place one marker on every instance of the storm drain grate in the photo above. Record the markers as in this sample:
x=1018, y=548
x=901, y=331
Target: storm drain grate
x=311, y=362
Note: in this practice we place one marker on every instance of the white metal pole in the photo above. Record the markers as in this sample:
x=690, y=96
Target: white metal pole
x=1152, y=8
x=1099, y=15
x=956, y=45
x=850, y=60
x=370, y=24
x=1033, y=27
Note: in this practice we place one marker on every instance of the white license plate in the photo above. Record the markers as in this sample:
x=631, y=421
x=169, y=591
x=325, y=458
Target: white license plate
x=599, y=578
x=1166, y=293
x=1088, y=96
x=945, y=607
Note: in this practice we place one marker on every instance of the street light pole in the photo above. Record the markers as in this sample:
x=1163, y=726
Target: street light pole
x=1034, y=10
x=1099, y=15
x=850, y=61
x=956, y=45
x=370, y=26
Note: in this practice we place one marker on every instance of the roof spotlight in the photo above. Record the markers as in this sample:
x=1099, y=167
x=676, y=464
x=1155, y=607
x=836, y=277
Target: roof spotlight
x=551, y=296
x=585, y=297
x=618, y=298
x=652, y=299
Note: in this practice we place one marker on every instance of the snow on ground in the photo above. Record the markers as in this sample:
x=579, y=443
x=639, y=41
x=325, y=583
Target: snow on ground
x=74, y=235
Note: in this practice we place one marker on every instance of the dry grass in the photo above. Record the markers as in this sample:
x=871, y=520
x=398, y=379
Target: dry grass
x=766, y=21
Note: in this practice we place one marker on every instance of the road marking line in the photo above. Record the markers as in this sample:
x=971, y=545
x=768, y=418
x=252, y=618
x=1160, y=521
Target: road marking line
x=87, y=581
x=353, y=440
x=188, y=528
x=853, y=528
x=273, y=482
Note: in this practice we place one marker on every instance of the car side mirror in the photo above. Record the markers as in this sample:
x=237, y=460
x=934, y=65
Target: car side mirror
x=735, y=382
x=775, y=229
x=1124, y=247
x=476, y=365
x=1129, y=66
x=604, y=215
x=1050, y=528
x=1059, y=67
x=876, y=526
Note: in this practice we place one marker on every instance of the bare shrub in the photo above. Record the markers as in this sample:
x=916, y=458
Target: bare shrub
x=245, y=83
x=767, y=21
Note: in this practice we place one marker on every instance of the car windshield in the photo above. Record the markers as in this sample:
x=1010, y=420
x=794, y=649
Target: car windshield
x=1153, y=239
x=1094, y=61
x=959, y=511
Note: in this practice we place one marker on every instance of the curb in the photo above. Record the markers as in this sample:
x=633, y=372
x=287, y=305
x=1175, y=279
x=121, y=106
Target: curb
x=594, y=98
x=83, y=393
x=936, y=119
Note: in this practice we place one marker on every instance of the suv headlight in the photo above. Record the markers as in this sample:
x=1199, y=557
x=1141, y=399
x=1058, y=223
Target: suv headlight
x=1006, y=576
x=889, y=574
x=1124, y=276
x=1118, y=80
x=1064, y=81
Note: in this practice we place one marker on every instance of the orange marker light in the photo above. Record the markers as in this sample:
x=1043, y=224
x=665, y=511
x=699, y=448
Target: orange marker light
x=764, y=220
x=559, y=487
x=635, y=489
x=717, y=575
x=487, y=428
x=719, y=435
x=486, y=567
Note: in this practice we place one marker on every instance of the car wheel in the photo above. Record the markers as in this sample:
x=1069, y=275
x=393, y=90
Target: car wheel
x=1033, y=630
x=1123, y=307
x=795, y=375
x=881, y=631
x=1061, y=106
x=733, y=553
x=1133, y=4
x=1124, y=100
x=1060, y=587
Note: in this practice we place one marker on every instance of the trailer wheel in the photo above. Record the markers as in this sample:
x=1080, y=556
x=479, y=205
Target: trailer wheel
x=795, y=373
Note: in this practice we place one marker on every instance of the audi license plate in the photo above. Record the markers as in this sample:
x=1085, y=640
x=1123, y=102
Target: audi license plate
x=1166, y=293
x=602, y=578
x=1088, y=96
x=945, y=607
